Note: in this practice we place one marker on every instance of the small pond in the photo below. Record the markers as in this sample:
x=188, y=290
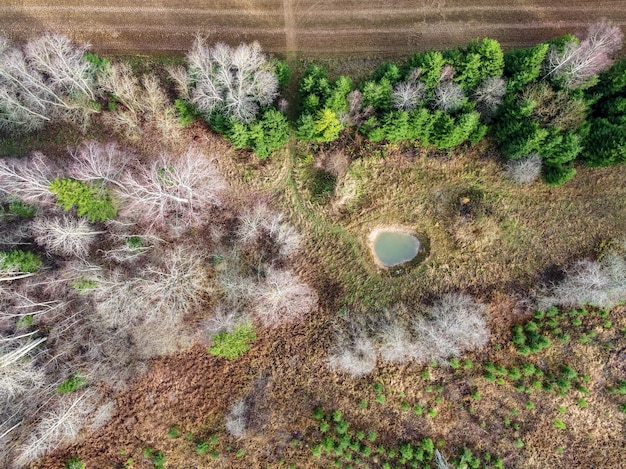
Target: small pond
x=393, y=247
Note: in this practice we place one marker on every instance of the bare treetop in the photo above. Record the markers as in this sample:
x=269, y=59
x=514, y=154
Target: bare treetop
x=234, y=81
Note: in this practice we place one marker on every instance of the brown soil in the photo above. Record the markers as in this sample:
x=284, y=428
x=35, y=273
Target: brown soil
x=310, y=27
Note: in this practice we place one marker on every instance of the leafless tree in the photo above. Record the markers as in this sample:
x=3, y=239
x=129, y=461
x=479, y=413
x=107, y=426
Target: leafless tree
x=236, y=419
x=448, y=97
x=283, y=297
x=524, y=170
x=100, y=162
x=236, y=81
x=57, y=427
x=408, y=95
x=577, y=63
x=174, y=286
x=64, y=235
x=455, y=323
x=48, y=79
x=17, y=373
x=356, y=114
x=171, y=193
x=178, y=75
x=28, y=179
x=395, y=342
x=63, y=64
x=353, y=355
x=489, y=95
x=600, y=283
x=259, y=220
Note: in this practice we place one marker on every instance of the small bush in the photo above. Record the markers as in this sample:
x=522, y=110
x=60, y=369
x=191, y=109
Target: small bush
x=524, y=170
x=20, y=261
x=22, y=210
x=74, y=463
x=234, y=344
x=187, y=112
x=71, y=384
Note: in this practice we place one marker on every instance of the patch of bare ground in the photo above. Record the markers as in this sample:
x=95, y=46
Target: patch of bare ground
x=308, y=27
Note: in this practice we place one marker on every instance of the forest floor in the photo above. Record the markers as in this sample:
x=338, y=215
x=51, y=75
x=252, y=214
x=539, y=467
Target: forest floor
x=509, y=241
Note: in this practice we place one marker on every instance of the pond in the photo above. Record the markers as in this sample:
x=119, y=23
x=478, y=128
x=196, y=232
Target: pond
x=394, y=247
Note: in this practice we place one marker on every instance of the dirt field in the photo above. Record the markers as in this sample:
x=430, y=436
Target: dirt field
x=311, y=27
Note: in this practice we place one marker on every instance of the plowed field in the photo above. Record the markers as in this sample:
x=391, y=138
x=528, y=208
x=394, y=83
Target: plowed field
x=311, y=27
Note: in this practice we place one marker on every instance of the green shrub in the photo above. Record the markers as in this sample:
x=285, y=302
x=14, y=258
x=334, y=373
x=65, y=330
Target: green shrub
x=283, y=72
x=74, y=463
x=21, y=209
x=91, y=202
x=231, y=345
x=20, y=261
x=270, y=132
x=71, y=384
x=202, y=448
x=83, y=285
x=187, y=112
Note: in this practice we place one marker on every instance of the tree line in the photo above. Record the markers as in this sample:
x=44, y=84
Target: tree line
x=553, y=103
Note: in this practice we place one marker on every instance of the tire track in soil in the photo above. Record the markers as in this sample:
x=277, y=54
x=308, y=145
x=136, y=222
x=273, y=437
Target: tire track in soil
x=311, y=27
x=291, y=40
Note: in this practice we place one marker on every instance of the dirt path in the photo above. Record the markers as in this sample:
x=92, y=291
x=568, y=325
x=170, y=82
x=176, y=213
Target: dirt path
x=308, y=27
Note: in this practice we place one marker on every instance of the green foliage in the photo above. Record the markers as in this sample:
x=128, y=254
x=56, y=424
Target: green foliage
x=283, y=72
x=479, y=60
x=173, y=432
x=71, y=384
x=523, y=66
x=74, y=463
x=327, y=126
x=234, y=344
x=203, y=448
x=20, y=261
x=99, y=64
x=21, y=209
x=262, y=136
x=558, y=174
x=83, y=285
x=317, y=92
x=559, y=424
x=187, y=112
x=431, y=63
x=92, y=202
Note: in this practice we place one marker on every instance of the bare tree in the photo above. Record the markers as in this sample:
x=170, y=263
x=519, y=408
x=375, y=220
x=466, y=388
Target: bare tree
x=600, y=283
x=448, y=97
x=102, y=162
x=258, y=221
x=171, y=193
x=353, y=355
x=395, y=342
x=356, y=113
x=174, y=286
x=283, y=297
x=455, y=323
x=64, y=235
x=63, y=64
x=235, y=81
x=524, y=170
x=236, y=419
x=575, y=64
x=408, y=95
x=178, y=74
x=50, y=78
x=28, y=179
x=489, y=95
x=57, y=427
